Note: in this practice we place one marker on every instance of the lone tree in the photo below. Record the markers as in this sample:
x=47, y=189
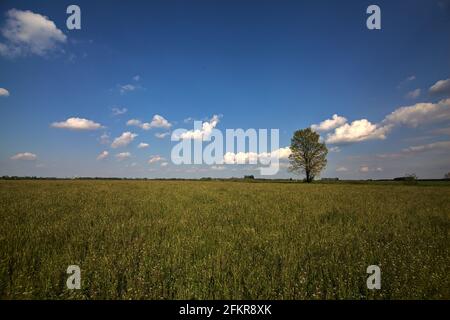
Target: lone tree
x=447, y=176
x=308, y=154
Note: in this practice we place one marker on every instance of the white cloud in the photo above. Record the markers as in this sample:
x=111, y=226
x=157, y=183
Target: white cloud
x=364, y=169
x=441, y=87
x=413, y=150
x=363, y=129
x=134, y=122
x=155, y=158
x=330, y=124
x=244, y=157
x=123, y=156
x=282, y=153
x=341, y=169
x=414, y=94
x=204, y=132
x=157, y=122
x=77, y=124
x=441, y=145
x=162, y=135
x=143, y=145
x=4, y=92
x=125, y=88
x=24, y=156
x=358, y=130
x=389, y=155
x=103, y=155
x=118, y=111
x=405, y=81
x=137, y=77
x=104, y=138
x=164, y=164
x=125, y=139
x=218, y=168
x=160, y=122
x=420, y=113
x=28, y=33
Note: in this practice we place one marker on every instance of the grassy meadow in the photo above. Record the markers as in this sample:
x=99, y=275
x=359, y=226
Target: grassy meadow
x=223, y=240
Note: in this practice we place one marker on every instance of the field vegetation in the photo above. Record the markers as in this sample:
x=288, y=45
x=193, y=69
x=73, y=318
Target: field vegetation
x=223, y=240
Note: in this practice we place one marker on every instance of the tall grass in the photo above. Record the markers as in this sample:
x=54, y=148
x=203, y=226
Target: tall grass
x=222, y=240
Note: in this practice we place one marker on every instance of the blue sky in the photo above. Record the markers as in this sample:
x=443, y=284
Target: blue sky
x=255, y=64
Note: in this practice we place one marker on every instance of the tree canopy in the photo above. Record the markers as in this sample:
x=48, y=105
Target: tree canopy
x=308, y=154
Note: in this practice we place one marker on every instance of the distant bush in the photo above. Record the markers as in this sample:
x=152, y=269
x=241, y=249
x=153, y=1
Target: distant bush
x=329, y=179
x=408, y=178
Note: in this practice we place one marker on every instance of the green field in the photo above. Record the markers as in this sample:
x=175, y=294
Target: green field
x=223, y=240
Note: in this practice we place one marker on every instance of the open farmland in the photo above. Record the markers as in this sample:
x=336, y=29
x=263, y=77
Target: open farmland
x=223, y=240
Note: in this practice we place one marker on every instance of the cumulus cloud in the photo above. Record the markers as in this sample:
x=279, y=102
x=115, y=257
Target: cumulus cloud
x=204, y=132
x=157, y=122
x=329, y=124
x=29, y=33
x=129, y=87
x=123, y=156
x=363, y=129
x=125, y=88
x=24, y=156
x=103, y=155
x=77, y=124
x=4, y=92
x=253, y=157
x=162, y=135
x=134, y=122
x=123, y=140
x=104, y=138
x=414, y=94
x=420, y=113
x=364, y=169
x=143, y=145
x=119, y=111
x=441, y=87
x=282, y=153
x=160, y=122
x=413, y=116
x=341, y=169
x=358, y=130
x=155, y=158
